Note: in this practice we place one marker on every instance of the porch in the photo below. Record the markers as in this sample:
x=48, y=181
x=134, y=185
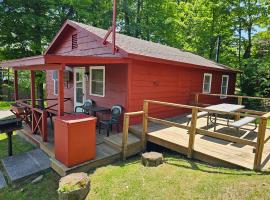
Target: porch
x=218, y=144
x=38, y=114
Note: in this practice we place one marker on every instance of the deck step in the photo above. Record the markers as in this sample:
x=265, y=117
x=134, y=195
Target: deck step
x=135, y=131
x=134, y=143
x=105, y=154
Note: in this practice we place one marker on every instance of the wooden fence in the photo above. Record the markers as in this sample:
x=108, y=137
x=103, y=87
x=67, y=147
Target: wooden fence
x=193, y=129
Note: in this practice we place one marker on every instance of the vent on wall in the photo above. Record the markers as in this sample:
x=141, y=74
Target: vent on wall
x=74, y=41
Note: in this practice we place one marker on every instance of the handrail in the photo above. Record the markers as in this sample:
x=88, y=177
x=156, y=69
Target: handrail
x=125, y=131
x=234, y=96
x=259, y=144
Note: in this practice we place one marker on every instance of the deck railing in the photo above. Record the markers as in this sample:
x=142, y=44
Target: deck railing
x=193, y=129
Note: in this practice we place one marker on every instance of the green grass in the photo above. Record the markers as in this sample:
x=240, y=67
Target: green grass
x=178, y=178
x=5, y=105
x=19, y=145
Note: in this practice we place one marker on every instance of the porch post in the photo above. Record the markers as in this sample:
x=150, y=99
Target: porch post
x=61, y=90
x=16, y=95
x=33, y=98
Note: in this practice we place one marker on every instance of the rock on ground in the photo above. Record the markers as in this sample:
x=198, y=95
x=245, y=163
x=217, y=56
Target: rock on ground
x=74, y=186
x=152, y=159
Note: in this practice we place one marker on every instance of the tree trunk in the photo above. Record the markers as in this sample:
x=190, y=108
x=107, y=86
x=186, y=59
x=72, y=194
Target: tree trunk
x=126, y=17
x=212, y=39
x=138, y=19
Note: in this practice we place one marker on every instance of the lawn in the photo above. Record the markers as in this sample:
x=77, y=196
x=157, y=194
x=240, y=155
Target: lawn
x=178, y=178
x=4, y=105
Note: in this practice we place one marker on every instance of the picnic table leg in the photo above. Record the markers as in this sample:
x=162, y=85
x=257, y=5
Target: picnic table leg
x=9, y=134
x=215, y=124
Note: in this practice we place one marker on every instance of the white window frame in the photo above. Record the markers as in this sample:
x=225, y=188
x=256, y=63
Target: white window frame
x=227, y=85
x=210, y=84
x=90, y=80
x=55, y=82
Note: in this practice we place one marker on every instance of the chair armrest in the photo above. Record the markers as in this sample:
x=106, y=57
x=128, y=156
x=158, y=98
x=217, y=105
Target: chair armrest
x=78, y=107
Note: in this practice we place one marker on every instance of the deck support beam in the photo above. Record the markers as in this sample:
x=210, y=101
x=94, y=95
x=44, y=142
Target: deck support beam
x=61, y=90
x=145, y=125
x=192, y=132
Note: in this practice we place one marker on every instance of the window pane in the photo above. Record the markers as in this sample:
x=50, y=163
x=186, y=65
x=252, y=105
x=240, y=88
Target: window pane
x=206, y=87
x=223, y=90
x=55, y=87
x=97, y=87
x=79, y=76
x=224, y=81
x=79, y=95
x=207, y=79
x=55, y=75
x=97, y=74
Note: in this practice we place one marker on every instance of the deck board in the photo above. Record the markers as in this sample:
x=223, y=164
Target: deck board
x=208, y=148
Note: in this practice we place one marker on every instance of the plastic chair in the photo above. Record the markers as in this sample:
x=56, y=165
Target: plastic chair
x=116, y=112
x=86, y=107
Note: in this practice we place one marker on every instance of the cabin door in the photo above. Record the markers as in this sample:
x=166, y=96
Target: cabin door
x=79, y=87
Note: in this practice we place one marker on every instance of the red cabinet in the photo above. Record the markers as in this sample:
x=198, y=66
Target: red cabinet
x=75, y=138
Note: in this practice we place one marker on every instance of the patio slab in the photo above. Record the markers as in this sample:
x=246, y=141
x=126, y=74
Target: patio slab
x=25, y=164
x=2, y=181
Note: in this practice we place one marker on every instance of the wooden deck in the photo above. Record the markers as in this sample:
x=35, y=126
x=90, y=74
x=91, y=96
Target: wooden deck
x=208, y=149
x=108, y=150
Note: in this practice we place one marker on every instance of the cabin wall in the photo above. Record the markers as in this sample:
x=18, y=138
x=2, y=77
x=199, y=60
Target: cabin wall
x=170, y=83
x=115, y=88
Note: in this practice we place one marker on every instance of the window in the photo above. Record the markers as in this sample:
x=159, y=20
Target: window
x=224, y=86
x=55, y=82
x=97, y=81
x=207, y=79
x=74, y=41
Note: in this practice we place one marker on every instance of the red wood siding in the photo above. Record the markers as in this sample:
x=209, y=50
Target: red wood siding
x=68, y=92
x=115, y=88
x=88, y=44
x=171, y=84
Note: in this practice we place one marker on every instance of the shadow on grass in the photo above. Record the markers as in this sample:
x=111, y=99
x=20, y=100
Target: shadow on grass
x=178, y=160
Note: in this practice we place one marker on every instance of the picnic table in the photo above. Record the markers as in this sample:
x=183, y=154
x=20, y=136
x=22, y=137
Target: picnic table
x=224, y=108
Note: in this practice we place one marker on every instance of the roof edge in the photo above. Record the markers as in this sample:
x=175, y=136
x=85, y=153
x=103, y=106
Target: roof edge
x=165, y=61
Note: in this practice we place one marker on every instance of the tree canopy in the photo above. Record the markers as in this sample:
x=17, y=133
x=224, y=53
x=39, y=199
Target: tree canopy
x=241, y=27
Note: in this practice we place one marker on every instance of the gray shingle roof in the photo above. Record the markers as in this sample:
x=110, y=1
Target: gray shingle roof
x=137, y=46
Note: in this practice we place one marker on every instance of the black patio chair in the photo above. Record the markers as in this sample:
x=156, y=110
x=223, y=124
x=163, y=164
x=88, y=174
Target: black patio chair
x=86, y=107
x=114, y=119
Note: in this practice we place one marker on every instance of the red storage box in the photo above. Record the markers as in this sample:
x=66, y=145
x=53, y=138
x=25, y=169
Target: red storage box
x=75, y=138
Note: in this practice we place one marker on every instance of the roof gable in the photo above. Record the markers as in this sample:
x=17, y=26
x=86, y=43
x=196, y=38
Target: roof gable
x=127, y=46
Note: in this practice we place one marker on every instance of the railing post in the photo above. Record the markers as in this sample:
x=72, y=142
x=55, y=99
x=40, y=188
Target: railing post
x=260, y=143
x=125, y=137
x=44, y=127
x=145, y=125
x=196, y=98
x=192, y=132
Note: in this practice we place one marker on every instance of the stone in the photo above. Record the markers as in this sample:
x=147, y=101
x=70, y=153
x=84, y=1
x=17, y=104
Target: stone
x=2, y=181
x=38, y=179
x=152, y=159
x=74, y=186
x=26, y=164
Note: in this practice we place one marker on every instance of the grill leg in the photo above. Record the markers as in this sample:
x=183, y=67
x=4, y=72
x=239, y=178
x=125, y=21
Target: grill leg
x=9, y=134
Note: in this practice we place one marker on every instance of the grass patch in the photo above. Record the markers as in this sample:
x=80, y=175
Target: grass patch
x=18, y=144
x=178, y=178
x=4, y=105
